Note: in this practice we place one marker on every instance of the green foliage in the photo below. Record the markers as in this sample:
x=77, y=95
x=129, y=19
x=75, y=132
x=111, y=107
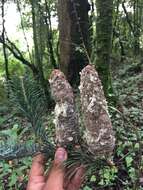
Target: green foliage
x=3, y=93
x=15, y=67
x=14, y=173
x=127, y=121
x=28, y=98
x=87, y=188
x=127, y=117
x=108, y=176
x=10, y=134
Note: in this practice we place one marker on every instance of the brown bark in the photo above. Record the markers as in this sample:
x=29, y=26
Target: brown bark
x=73, y=28
x=66, y=121
x=99, y=134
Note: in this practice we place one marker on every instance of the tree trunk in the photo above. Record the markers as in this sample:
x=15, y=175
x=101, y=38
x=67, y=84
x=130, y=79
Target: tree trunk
x=74, y=36
x=4, y=47
x=104, y=30
x=36, y=19
x=38, y=36
x=49, y=35
x=137, y=25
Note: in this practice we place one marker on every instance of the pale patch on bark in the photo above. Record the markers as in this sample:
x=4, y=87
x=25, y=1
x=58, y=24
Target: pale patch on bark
x=99, y=135
x=66, y=121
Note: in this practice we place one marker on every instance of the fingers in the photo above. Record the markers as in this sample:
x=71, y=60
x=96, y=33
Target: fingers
x=36, y=176
x=77, y=180
x=37, y=168
x=56, y=176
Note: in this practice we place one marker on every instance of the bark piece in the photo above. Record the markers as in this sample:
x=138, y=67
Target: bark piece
x=66, y=120
x=99, y=135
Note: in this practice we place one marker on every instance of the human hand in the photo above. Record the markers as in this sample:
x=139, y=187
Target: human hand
x=56, y=177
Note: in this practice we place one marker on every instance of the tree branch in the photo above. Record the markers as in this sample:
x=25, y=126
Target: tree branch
x=17, y=54
x=50, y=35
x=127, y=17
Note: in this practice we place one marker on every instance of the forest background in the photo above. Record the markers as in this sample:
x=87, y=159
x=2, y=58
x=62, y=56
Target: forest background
x=68, y=35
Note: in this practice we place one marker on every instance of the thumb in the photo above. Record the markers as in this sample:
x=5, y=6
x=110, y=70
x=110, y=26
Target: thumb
x=56, y=176
x=60, y=157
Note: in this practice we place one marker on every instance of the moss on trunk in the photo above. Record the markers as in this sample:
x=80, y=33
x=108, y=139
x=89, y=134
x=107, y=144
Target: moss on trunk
x=104, y=41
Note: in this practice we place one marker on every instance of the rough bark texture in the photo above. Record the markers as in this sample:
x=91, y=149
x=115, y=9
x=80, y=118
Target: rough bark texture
x=99, y=134
x=104, y=31
x=66, y=121
x=74, y=32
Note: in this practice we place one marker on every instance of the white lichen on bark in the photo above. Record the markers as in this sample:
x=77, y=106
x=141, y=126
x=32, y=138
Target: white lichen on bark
x=66, y=121
x=99, y=134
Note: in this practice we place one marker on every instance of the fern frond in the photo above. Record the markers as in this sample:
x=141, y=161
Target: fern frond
x=28, y=98
x=12, y=145
x=83, y=158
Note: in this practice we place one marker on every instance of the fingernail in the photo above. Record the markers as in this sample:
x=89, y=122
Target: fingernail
x=60, y=154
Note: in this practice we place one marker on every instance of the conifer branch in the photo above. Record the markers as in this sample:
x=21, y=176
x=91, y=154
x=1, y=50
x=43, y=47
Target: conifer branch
x=10, y=152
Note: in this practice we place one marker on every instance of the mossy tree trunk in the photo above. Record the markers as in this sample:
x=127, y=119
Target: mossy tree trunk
x=104, y=30
x=138, y=15
x=74, y=37
x=39, y=43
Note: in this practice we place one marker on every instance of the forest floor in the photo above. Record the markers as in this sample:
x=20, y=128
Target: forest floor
x=127, y=119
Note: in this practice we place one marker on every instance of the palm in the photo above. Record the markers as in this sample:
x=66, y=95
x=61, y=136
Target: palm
x=55, y=181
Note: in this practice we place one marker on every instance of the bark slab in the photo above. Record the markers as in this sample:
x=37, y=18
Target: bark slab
x=99, y=134
x=66, y=121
